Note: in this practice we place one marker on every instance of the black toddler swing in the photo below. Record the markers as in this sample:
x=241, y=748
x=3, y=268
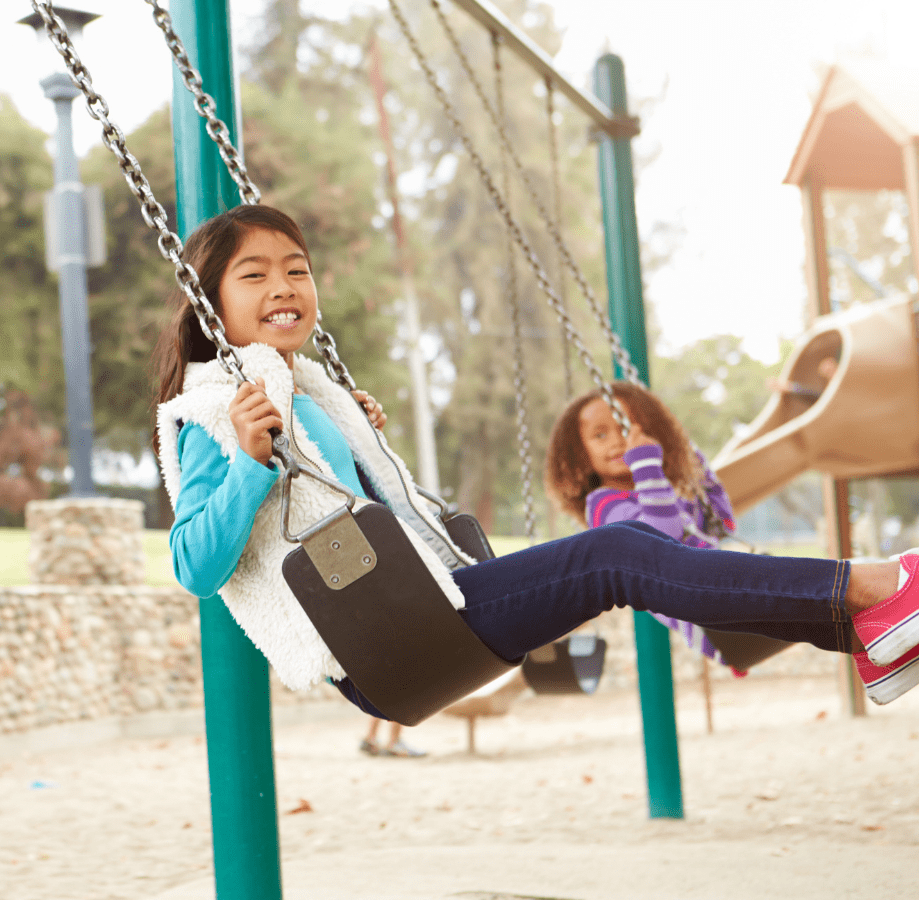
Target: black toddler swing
x=356, y=574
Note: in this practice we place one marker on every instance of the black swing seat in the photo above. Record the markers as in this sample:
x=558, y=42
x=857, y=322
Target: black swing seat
x=743, y=650
x=572, y=665
x=384, y=617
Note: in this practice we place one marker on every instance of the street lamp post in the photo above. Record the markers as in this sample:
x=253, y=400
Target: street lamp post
x=69, y=220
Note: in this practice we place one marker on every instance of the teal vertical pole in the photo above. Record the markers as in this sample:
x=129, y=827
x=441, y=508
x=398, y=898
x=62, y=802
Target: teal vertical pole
x=627, y=316
x=236, y=688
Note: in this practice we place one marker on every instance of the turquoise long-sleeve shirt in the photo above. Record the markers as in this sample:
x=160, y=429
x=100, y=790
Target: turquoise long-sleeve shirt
x=218, y=500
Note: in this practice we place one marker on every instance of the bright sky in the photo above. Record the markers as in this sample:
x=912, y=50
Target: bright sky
x=739, y=76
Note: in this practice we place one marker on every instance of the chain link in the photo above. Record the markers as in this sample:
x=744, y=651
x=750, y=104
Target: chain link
x=557, y=204
x=572, y=336
x=521, y=397
x=205, y=106
x=218, y=132
x=152, y=211
x=619, y=353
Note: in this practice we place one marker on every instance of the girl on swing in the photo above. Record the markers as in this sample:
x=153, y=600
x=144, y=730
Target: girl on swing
x=654, y=475
x=215, y=451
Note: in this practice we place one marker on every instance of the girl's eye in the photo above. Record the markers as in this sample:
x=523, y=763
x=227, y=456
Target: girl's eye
x=253, y=275
x=299, y=272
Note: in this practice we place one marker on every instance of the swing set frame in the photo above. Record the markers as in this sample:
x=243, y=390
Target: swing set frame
x=236, y=678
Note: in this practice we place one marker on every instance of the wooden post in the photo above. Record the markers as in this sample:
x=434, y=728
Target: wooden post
x=835, y=492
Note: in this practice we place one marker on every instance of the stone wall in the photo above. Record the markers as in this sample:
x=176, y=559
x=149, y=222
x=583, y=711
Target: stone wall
x=71, y=654
x=75, y=654
x=89, y=641
x=92, y=540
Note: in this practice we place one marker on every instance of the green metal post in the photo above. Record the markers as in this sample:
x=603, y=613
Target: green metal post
x=627, y=316
x=236, y=688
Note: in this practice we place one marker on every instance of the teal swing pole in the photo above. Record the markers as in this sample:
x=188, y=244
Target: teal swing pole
x=627, y=317
x=237, y=700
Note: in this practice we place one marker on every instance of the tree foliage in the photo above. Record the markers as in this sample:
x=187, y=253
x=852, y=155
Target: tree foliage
x=312, y=144
x=30, y=330
x=26, y=445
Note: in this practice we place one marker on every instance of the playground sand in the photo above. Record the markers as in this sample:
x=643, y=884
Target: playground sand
x=788, y=797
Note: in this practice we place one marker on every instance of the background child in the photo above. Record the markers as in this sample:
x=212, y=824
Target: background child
x=653, y=475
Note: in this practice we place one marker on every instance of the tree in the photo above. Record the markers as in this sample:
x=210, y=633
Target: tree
x=26, y=446
x=30, y=332
x=714, y=387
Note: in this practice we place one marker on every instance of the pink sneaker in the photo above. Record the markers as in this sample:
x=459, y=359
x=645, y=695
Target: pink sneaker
x=886, y=683
x=891, y=628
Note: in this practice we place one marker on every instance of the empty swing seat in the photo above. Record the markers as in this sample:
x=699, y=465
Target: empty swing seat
x=572, y=665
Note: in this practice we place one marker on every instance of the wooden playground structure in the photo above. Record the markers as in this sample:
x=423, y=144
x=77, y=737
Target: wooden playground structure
x=863, y=420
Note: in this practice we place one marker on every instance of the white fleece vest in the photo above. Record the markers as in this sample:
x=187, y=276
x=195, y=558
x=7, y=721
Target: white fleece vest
x=257, y=594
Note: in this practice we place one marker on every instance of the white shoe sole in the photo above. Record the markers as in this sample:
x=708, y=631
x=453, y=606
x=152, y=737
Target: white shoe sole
x=894, y=642
x=895, y=683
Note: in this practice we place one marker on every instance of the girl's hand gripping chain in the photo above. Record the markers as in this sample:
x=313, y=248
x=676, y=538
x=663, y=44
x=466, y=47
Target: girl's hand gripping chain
x=372, y=407
x=253, y=415
x=637, y=438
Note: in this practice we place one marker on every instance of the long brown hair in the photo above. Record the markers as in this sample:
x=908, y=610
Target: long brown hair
x=568, y=475
x=208, y=251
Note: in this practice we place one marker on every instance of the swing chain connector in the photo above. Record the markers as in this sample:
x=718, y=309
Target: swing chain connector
x=280, y=446
x=293, y=471
x=335, y=544
x=442, y=509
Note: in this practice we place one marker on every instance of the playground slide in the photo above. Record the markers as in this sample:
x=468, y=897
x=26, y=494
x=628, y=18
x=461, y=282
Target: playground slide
x=864, y=421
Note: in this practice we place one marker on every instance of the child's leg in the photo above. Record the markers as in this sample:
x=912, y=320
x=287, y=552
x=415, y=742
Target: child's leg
x=525, y=600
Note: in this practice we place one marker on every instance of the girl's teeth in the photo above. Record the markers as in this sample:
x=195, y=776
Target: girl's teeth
x=282, y=318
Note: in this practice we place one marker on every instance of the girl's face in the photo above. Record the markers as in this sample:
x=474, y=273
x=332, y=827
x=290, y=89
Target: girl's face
x=267, y=294
x=604, y=443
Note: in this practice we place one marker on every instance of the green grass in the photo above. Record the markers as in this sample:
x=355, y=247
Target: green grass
x=14, y=558
x=14, y=555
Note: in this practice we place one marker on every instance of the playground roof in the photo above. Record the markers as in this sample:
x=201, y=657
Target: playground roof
x=863, y=118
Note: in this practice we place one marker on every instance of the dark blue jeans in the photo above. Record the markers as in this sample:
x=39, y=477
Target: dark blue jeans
x=525, y=600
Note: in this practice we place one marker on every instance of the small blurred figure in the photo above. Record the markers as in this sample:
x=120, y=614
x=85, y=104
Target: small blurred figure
x=396, y=746
x=826, y=369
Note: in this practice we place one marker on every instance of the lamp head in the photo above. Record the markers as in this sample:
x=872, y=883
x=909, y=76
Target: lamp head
x=74, y=19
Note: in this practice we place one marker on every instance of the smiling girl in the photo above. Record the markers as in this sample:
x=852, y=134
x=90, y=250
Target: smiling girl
x=214, y=445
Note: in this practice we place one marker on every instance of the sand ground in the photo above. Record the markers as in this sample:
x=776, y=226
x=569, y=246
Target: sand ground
x=788, y=797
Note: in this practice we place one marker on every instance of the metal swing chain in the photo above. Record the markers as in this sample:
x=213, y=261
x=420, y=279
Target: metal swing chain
x=218, y=132
x=205, y=105
x=557, y=203
x=520, y=383
x=152, y=211
x=571, y=333
x=620, y=354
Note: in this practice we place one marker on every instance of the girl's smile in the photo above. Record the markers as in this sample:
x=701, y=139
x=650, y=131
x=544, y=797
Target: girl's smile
x=267, y=294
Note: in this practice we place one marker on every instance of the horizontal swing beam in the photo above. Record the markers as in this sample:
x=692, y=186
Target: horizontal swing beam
x=600, y=114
